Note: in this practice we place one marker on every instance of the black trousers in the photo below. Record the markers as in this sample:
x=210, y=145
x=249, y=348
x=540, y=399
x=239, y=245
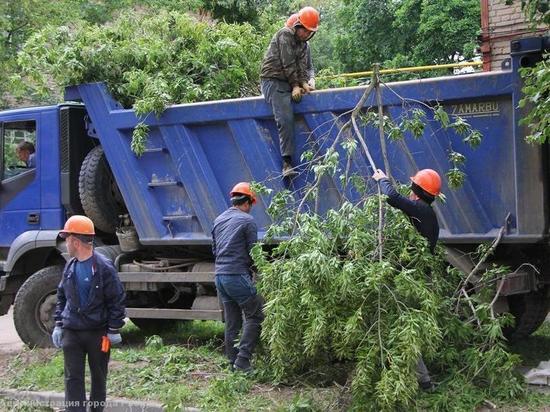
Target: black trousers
x=278, y=94
x=77, y=346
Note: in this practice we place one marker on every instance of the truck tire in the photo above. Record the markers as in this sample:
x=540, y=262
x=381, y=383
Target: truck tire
x=99, y=193
x=530, y=311
x=34, y=307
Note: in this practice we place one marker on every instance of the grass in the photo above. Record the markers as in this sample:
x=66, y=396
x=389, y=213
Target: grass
x=185, y=367
x=536, y=348
x=533, y=350
x=182, y=367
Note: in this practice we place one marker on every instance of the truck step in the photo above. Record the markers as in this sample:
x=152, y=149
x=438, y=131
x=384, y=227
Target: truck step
x=167, y=277
x=178, y=217
x=153, y=313
x=161, y=183
x=156, y=150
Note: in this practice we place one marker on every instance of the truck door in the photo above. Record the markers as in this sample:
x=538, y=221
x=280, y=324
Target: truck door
x=20, y=182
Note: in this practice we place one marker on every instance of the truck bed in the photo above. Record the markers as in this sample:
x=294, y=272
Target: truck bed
x=197, y=152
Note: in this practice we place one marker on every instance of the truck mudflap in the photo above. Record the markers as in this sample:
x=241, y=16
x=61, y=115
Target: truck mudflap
x=526, y=278
x=519, y=282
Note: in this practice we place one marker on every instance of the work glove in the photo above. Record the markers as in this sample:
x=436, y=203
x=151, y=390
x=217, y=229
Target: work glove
x=378, y=175
x=57, y=335
x=307, y=87
x=114, y=338
x=296, y=94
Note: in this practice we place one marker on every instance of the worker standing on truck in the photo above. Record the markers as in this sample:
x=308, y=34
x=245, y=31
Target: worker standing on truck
x=310, y=70
x=284, y=77
x=233, y=235
x=89, y=313
x=425, y=187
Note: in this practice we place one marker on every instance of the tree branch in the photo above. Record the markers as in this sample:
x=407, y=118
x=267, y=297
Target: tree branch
x=482, y=260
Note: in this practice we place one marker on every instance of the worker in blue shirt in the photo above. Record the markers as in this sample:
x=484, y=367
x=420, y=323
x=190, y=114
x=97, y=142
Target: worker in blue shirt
x=89, y=313
x=233, y=235
x=425, y=187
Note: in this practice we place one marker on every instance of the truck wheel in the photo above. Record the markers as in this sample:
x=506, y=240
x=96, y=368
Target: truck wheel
x=34, y=307
x=99, y=194
x=155, y=326
x=530, y=311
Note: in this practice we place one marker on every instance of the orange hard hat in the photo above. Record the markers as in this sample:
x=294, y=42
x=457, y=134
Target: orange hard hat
x=309, y=18
x=78, y=225
x=243, y=188
x=292, y=20
x=428, y=180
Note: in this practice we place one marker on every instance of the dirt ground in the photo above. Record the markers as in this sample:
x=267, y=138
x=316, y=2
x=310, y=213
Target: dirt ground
x=10, y=344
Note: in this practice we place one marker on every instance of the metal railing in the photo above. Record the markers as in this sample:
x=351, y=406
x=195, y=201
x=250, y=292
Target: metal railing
x=403, y=70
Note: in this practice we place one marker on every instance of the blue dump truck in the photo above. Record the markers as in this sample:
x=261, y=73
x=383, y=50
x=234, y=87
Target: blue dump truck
x=154, y=213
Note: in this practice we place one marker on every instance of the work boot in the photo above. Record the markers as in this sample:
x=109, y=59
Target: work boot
x=242, y=365
x=427, y=386
x=288, y=171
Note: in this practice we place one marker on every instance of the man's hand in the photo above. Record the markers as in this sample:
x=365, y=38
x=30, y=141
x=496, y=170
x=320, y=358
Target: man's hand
x=57, y=335
x=307, y=88
x=115, y=338
x=379, y=174
x=296, y=94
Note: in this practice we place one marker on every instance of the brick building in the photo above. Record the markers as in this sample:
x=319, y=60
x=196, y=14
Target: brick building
x=501, y=23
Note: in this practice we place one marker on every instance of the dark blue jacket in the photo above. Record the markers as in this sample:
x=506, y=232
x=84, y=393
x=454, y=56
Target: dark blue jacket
x=105, y=307
x=233, y=236
x=420, y=213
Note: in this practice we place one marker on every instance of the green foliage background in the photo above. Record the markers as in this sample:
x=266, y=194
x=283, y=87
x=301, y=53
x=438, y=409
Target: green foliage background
x=147, y=61
x=354, y=34
x=537, y=80
x=358, y=33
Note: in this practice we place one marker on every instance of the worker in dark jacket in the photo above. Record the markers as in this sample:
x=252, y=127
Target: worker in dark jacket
x=425, y=187
x=291, y=22
x=284, y=77
x=90, y=310
x=233, y=235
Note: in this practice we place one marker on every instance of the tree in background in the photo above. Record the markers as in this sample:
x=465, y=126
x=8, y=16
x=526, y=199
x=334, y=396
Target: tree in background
x=353, y=34
x=20, y=19
x=365, y=34
x=406, y=32
x=446, y=28
x=537, y=79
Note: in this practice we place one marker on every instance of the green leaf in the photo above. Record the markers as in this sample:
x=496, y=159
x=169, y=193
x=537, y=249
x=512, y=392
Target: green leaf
x=441, y=116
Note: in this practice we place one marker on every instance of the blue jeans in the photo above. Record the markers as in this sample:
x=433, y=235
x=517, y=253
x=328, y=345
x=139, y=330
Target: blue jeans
x=237, y=288
x=239, y=296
